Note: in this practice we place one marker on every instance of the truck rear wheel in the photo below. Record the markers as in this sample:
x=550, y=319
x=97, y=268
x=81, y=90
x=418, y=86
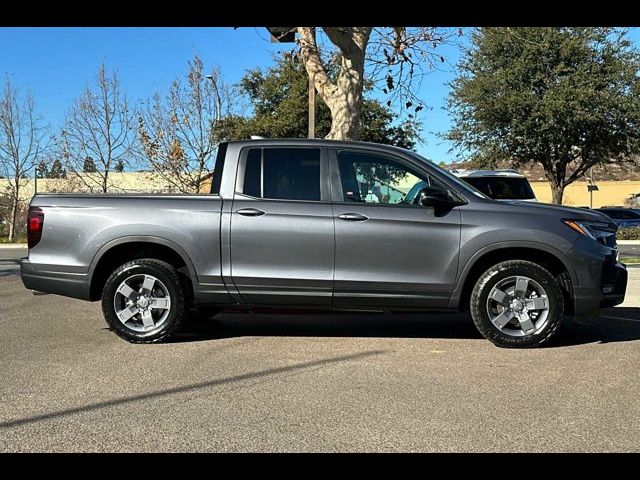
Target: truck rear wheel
x=143, y=301
x=517, y=304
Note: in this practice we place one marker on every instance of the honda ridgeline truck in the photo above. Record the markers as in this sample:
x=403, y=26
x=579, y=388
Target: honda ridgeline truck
x=325, y=225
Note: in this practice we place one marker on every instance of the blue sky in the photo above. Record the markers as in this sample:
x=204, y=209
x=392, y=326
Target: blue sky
x=55, y=64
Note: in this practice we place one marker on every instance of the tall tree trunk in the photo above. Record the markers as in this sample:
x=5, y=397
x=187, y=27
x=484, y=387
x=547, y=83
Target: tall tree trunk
x=343, y=95
x=557, y=192
x=555, y=171
x=346, y=104
x=14, y=211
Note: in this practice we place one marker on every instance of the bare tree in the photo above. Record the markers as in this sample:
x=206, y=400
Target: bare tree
x=397, y=58
x=99, y=126
x=177, y=134
x=22, y=140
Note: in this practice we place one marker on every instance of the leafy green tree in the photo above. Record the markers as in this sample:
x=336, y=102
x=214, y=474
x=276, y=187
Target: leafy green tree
x=89, y=165
x=119, y=167
x=57, y=170
x=566, y=98
x=279, y=97
x=41, y=170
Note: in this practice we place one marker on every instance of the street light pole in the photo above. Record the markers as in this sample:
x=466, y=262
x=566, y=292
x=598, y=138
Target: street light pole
x=592, y=187
x=288, y=35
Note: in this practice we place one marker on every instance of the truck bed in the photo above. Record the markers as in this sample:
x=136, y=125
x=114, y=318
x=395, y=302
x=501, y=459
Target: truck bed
x=80, y=228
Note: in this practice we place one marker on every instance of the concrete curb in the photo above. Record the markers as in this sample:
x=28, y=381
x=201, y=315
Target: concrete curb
x=18, y=245
x=628, y=242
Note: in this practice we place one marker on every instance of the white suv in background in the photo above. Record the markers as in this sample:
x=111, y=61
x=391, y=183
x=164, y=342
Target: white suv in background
x=498, y=184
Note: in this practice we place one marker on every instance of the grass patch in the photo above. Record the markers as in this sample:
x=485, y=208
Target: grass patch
x=630, y=260
x=19, y=239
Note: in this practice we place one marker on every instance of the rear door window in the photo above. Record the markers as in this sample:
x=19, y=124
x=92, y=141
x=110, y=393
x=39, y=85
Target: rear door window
x=283, y=173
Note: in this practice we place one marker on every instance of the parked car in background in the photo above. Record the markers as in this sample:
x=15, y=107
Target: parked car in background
x=623, y=217
x=498, y=184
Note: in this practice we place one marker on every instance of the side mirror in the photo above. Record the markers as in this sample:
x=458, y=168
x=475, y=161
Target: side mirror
x=437, y=198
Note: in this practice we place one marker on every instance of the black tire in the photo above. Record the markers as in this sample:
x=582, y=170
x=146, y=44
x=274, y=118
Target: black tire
x=169, y=277
x=502, y=271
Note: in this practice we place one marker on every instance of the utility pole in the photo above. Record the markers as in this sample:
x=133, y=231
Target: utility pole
x=288, y=35
x=592, y=187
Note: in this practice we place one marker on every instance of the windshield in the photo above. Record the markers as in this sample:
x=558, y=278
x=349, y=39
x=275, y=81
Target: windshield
x=503, y=188
x=463, y=186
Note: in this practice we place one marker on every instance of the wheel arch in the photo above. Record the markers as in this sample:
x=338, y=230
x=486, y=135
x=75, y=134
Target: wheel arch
x=125, y=249
x=550, y=258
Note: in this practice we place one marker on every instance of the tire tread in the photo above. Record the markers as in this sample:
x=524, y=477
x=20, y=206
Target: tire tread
x=489, y=331
x=180, y=313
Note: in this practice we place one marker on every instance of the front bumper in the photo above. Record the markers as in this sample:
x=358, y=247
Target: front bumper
x=610, y=292
x=43, y=278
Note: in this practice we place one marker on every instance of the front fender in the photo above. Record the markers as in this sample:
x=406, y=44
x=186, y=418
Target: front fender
x=471, y=261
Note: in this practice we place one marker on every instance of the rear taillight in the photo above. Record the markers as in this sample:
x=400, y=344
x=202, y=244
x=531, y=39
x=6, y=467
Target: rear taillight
x=35, y=223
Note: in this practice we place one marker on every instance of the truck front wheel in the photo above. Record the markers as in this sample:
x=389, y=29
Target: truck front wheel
x=143, y=301
x=517, y=304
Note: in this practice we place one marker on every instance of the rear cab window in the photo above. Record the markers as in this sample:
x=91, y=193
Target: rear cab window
x=289, y=173
x=218, y=168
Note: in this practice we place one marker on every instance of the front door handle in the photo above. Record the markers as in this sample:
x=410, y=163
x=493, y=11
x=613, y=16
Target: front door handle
x=353, y=217
x=250, y=212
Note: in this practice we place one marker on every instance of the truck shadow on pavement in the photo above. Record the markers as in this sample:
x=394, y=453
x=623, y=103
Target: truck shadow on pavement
x=286, y=369
x=9, y=268
x=614, y=325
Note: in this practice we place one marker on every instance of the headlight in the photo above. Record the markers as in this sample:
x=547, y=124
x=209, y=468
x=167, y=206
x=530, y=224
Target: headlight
x=601, y=232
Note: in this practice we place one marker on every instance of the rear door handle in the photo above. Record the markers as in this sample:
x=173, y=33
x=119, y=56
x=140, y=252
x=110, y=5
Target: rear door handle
x=353, y=217
x=250, y=212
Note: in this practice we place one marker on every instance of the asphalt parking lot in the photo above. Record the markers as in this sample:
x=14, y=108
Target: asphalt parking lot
x=629, y=250
x=311, y=383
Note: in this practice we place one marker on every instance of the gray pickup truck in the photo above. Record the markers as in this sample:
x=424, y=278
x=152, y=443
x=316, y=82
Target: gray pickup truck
x=325, y=225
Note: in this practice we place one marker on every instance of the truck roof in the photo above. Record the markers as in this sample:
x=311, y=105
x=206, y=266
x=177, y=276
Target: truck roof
x=316, y=142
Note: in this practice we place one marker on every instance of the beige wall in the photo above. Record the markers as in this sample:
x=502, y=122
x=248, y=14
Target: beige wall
x=577, y=195
x=131, y=182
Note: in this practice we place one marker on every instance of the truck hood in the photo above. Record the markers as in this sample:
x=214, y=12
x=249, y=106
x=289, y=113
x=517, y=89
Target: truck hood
x=569, y=213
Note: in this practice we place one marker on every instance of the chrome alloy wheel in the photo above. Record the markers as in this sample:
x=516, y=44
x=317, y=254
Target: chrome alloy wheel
x=142, y=303
x=518, y=306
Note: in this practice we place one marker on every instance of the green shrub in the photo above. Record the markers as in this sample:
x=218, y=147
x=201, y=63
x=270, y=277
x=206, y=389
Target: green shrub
x=632, y=233
x=18, y=239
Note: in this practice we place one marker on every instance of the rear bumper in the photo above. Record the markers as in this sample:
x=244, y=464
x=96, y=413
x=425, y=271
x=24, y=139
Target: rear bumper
x=43, y=279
